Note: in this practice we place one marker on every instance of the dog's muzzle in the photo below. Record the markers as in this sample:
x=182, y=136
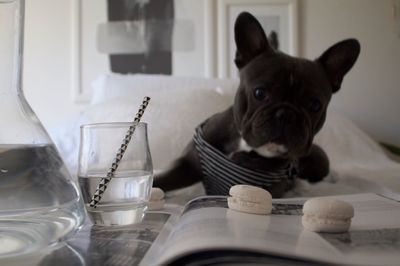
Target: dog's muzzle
x=278, y=131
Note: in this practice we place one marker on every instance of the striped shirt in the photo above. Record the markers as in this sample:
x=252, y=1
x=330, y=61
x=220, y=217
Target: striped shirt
x=220, y=172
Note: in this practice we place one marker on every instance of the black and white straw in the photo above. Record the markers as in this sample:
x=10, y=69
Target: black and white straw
x=101, y=188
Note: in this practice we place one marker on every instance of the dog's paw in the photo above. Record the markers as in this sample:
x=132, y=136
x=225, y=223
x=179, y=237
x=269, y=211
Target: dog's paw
x=315, y=166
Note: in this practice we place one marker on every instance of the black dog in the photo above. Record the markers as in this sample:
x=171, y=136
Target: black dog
x=280, y=105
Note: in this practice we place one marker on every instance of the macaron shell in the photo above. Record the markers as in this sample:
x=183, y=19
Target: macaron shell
x=325, y=225
x=328, y=208
x=156, y=194
x=249, y=207
x=250, y=193
x=155, y=205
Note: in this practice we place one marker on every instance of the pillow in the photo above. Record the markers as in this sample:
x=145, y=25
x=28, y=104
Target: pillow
x=113, y=86
x=174, y=112
x=172, y=116
x=348, y=146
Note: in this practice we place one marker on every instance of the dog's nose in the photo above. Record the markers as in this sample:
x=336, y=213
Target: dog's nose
x=285, y=116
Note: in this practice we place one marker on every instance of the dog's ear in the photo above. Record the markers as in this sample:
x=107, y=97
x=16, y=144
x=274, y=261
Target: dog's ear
x=273, y=40
x=250, y=39
x=338, y=60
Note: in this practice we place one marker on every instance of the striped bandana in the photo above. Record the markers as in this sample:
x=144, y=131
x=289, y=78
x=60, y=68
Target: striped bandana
x=220, y=173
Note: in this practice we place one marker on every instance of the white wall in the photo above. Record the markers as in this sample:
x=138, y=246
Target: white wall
x=48, y=60
x=370, y=93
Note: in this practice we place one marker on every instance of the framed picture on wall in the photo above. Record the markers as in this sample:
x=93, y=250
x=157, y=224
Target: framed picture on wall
x=278, y=18
x=169, y=37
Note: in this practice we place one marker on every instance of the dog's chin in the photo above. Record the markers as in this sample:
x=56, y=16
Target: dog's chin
x=268, y=150
x=271, y=150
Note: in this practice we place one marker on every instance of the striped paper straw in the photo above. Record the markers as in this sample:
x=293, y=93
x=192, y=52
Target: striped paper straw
x=101, y=188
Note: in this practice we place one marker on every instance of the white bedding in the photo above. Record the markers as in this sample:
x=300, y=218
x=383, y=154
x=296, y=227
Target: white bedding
x=358, y=163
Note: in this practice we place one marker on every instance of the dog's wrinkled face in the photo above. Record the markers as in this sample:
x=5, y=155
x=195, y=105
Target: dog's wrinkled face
x=281, y=102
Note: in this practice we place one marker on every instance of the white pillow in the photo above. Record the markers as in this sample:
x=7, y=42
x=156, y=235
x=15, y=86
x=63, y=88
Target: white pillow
x=174, y=112
x=172, y=121
x=172, y=116
x=113, y=86
x=347, y=146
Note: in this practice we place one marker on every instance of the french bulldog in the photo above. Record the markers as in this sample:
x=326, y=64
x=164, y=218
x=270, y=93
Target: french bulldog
x=280, y=105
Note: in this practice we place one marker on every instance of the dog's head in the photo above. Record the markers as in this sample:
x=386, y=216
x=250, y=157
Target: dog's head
x=282, y=100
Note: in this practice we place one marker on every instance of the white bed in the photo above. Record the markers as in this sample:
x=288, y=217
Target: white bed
x=178, y=104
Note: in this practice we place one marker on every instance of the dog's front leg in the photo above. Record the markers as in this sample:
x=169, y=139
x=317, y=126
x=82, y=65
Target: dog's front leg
x=185, y=171
x=315, y=166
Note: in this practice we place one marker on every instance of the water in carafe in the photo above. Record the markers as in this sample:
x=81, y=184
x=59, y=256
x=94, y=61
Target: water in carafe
x=39, y=201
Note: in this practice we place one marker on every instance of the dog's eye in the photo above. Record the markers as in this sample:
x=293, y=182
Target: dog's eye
x=260, y=93
x=314, y=105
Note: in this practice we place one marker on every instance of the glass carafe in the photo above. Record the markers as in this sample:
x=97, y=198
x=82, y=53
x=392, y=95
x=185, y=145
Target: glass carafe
x=39, y=202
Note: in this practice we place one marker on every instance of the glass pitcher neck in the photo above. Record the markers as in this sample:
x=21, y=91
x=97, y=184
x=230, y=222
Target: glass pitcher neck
x=11, y=46
x=22, y=125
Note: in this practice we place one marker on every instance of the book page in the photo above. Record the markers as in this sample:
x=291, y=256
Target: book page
x=117, y=245
x=207, y=224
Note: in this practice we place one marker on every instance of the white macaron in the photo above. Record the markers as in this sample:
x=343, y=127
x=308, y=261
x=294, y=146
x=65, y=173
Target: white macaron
x=156, y=201
x=250, y=199
x=327, y=215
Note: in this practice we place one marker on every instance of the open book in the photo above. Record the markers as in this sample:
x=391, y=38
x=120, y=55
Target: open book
x=207, y=232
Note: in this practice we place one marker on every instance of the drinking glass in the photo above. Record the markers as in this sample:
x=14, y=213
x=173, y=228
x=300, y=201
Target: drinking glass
x=125, y=198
